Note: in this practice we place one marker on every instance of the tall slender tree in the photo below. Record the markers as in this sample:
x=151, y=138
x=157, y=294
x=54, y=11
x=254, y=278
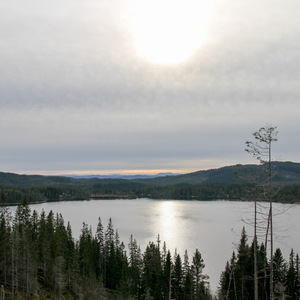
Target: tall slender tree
x=5, y=249
x=261, y=149
x=280, y=270
x=198, y=277
x=101, y=243
x=177, y=278
x=291, y=277
x=135, y=267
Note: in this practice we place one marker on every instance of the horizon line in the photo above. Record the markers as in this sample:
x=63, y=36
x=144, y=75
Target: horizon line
x=104, y=172
x=120, y=171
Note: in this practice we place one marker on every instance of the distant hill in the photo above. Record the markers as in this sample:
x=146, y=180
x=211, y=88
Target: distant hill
x=221, y=183
x=285, y=173
x=121, y=176
x=32, y=180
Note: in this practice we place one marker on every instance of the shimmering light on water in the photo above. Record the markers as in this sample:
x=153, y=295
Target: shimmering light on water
x=166, y=223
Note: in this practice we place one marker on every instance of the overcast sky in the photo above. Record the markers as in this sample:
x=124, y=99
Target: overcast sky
x=134, y=85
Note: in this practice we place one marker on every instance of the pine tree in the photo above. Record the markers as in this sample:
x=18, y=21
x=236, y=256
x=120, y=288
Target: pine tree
x=177, y=278
x=61, y=255
x=43, y=248
x=110, y=257
x=135, y=268
x=152, y=271
x=70, y=255
x=187, y=277
x=25, y=254
x=5, y=249
x=297, y=277
x=101, y=251
x=167, y=276
x=227, y=288
x=199, y=279
x=243, y=269
x=291, y=278
x=86, y=253
x=280, y=272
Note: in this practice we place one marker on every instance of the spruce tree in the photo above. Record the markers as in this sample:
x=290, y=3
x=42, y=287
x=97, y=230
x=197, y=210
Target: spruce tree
x=135, y=268
x=152, y=271
x=177, y=278
x=280, y=272
x=101, y=251
x=199, y=279
x=291, y=277
x=5, y=246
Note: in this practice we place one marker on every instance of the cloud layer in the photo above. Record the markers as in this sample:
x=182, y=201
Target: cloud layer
x=75, y=95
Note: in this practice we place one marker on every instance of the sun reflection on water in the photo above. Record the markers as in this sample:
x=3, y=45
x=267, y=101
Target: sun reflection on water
x=167, y=220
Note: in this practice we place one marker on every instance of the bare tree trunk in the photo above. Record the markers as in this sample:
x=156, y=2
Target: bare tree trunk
x=27, y=274
x=170, y=286
x=255, y=247
x=261, y=148
x=2, y=293
x=265, y=262
x=271, y=227
x=271, y=255
x=5, y=265
x=12, y=268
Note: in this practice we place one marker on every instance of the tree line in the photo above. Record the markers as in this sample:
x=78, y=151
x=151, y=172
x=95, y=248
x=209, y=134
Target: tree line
x=40, y=259
x=110, y=189
x=250, y=274
x=237, y=280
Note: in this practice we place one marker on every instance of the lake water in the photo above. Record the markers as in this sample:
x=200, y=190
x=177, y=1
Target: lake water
x=212, y=227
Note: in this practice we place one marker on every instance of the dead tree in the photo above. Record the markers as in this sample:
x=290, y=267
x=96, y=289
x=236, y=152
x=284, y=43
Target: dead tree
x=261, y=149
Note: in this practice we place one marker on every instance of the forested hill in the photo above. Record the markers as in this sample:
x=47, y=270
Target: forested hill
x=284, y=173
x=33, y=180
x=222, y=183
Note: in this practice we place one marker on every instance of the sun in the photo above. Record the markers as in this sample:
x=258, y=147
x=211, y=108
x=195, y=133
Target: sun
x=168, y=31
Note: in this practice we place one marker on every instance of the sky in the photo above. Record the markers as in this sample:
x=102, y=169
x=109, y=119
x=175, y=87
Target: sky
x=136, y=86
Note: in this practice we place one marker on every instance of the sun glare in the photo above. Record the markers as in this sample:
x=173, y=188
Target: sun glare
x=168, y=31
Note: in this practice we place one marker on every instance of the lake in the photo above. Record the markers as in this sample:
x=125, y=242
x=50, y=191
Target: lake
x=212, y=227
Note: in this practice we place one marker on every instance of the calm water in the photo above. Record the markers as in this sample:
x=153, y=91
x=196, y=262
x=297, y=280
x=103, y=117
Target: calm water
x=212, y=227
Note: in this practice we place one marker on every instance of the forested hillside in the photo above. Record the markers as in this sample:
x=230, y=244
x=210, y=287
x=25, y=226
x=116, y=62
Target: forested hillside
x=284, y=173
x=223, y=183
x=33, y=180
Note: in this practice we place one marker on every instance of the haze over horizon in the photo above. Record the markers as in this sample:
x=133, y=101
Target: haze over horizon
x=99, y=88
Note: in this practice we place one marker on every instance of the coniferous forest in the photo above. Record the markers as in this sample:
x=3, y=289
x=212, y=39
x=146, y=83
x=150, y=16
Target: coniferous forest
x=237, y=280
x=221, y=183
x=40, y=259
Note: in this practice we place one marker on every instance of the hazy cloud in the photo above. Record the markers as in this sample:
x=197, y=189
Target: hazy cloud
x=74, y=95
